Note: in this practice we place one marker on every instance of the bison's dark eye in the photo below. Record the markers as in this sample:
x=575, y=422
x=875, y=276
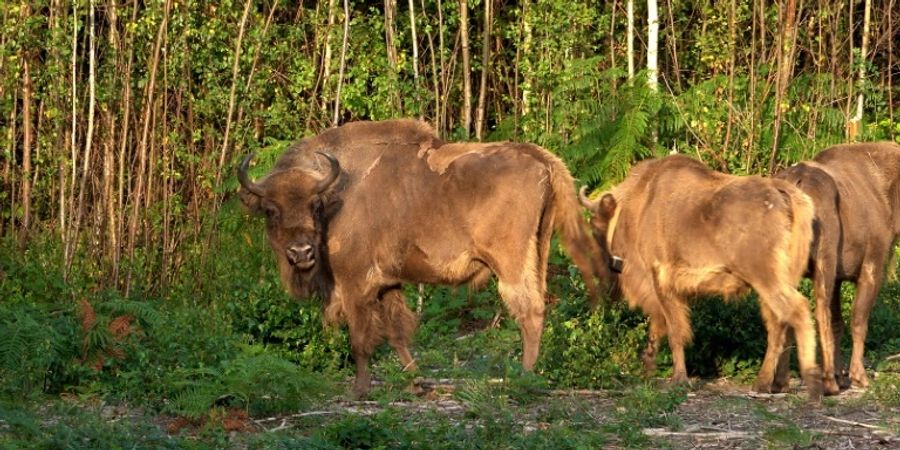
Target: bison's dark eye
x=271, y=212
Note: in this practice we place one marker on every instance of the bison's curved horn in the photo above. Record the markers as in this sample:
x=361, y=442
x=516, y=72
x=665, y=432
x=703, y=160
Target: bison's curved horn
x=245, y=180
x=585, y=201
x=332, y=174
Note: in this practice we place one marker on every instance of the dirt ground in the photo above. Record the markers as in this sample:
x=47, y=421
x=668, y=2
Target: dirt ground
x=715, y=414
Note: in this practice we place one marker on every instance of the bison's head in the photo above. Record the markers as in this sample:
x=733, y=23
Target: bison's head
x=295, y=202
x=603, y=212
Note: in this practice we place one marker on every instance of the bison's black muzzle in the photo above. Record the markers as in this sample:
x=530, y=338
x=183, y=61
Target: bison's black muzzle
x=301, y=256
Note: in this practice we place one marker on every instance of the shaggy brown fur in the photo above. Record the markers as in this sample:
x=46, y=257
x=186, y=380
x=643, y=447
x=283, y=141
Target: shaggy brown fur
x=683, y=230
x=856, y=192
x=407, y=209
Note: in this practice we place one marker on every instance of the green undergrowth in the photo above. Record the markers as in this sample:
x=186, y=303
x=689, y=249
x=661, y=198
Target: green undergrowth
x=227, y=338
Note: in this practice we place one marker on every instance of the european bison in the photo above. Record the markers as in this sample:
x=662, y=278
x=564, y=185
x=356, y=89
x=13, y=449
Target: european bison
x=416, y=211
x=679, y=229
x=856, y=192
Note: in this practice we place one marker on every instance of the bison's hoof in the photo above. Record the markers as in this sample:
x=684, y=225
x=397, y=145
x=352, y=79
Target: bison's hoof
x=649, y=366
x=859, y=379
x=763, y=387
x=680, y=379
x=360, y=390
x=843, y=380
x=830, y=386
x=813, y=381
x=782, y=382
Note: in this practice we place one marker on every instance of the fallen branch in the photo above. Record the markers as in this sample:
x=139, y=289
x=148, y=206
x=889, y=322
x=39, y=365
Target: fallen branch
x=760, y=395
x=295, y=416
x=662, y=432
x=854, y=423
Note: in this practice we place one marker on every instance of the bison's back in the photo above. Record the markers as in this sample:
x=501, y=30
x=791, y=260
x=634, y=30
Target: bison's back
x=684, y=215
x=357, y=145
x=868, y=178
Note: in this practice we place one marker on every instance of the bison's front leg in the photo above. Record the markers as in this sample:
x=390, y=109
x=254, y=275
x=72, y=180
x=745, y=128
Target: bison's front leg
x=867, y=287
x=365, y=335
x=657, y=332
x=399, y=325
x=678, y=328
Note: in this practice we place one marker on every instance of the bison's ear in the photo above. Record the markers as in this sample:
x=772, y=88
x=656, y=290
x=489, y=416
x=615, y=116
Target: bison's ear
x=607, y=206
x=251, y=201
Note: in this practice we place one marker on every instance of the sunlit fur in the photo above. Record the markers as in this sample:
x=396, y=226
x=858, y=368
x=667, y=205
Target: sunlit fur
x=684, y=230
x=856, y=192
x=410, y=209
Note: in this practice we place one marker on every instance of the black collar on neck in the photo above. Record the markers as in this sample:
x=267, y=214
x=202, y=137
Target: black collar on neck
x=616, y=264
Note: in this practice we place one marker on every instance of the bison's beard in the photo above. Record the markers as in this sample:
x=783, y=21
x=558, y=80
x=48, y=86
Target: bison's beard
x=304, y=284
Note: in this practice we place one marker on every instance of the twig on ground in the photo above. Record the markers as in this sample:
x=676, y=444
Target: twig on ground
x=854, y=423
x=662, y=432
x=760, y=395
x=284, y=419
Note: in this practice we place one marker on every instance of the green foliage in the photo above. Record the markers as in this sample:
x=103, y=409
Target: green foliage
x=69, y=427
x=645, y=406
x=259, y=383
x=35, y=348
x=591, y=347
x=729, y=338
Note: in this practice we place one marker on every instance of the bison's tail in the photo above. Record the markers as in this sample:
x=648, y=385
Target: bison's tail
x=801, y=236
x=574, y=231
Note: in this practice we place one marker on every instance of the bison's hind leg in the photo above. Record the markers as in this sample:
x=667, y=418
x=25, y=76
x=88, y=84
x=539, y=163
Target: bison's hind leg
x=781, y=310
x=526, y=304
x=398, y=323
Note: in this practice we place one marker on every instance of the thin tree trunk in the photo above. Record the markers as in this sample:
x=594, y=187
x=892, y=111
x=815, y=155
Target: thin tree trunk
x=485, y=67
x=526, y=50
x=890, y=64
x=108, y=199
x=249, y=82
x=630, y=38
x=674, y=45
x=337, y=96
x=78, y=213
x=235, y=67
x=27, y=138
x=415, y=47
x=612, y=35
x=856, y=120
x=390, y=40
x=442, y=103
x=326, y=59
x=435, y=77
x=652, y=44
x=785, y=52
x=466, y=112
x=137, y=209
x=732, y=32
x=126, y=128
x=11, y=162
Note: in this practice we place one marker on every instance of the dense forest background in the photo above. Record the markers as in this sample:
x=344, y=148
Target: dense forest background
x=123, y=121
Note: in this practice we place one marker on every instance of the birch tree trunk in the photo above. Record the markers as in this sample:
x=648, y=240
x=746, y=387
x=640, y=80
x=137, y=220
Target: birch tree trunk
x=630, y=38
x=652, y=43
x=466, y=112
